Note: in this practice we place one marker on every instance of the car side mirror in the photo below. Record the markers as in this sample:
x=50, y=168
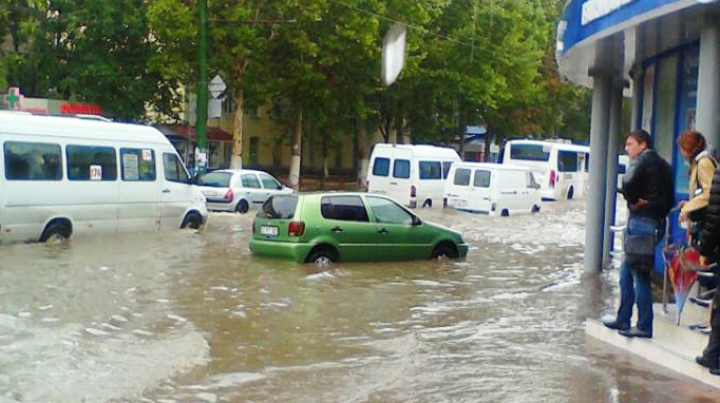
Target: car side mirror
x=416, y=221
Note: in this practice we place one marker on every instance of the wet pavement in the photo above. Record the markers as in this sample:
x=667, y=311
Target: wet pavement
x=193, y=317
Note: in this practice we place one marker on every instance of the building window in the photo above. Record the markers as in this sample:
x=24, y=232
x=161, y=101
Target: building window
x=254, y=148
x=214, y=154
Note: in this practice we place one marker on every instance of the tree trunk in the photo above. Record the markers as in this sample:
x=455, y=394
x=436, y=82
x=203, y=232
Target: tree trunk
x=362, y=153
x=462, y=124
x=238, y=130
x=488, y=141
x=294, y=179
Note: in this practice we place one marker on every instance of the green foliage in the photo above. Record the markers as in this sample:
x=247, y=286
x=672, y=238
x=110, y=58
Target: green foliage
x=469, y=62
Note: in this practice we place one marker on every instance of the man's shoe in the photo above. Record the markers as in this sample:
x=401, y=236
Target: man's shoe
x=706, y=362
x=635, y=332
x=614, y=324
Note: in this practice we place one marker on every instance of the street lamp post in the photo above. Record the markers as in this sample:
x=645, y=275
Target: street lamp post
x=202, y=92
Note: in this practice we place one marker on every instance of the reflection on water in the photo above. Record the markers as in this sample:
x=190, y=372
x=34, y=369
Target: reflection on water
x=192, y=316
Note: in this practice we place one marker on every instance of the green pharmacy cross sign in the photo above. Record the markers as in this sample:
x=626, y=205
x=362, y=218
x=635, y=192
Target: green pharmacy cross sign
x=12, y=100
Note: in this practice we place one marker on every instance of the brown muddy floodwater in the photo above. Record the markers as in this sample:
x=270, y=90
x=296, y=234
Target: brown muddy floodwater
x=193, y=317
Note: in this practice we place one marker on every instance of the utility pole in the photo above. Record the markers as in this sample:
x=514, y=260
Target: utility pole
x=202, y=92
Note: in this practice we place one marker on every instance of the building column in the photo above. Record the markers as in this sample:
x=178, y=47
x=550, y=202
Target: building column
x=616, y=100
x=636, y=107
x=595, y=221
x=708, y=89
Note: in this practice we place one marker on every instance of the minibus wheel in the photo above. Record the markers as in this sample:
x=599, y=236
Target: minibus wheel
x=427, y=203
x=56, y=231
x=570, y=193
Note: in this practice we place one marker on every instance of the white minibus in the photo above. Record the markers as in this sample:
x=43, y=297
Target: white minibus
x=411, y=174
x=559, y=167
x=492, y=189
x=63, y=176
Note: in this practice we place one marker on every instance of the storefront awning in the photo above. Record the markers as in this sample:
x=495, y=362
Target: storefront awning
x=188, y=132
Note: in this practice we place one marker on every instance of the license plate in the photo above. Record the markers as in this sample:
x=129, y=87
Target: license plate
x=272, y=231
x=459, y=203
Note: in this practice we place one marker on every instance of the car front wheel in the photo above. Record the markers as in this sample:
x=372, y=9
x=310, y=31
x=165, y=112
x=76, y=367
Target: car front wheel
x=444, y=251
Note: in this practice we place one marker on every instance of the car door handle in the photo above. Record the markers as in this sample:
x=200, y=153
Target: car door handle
x=382, y=231
x=166, y=191
x=337, y=229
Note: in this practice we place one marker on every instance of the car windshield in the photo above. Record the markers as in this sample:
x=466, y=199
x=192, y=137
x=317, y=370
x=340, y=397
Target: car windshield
x=279, y=207
x=215, y=179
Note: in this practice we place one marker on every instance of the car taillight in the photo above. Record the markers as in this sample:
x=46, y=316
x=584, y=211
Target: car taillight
x=413, y=191
x=296, y=228
x=552, y=178
x=493, y=207
x=229, y=195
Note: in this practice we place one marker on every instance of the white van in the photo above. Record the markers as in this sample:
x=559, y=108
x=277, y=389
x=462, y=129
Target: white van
x=63, y=176
x=560, y=168
x=411, y=174
x=493, y=189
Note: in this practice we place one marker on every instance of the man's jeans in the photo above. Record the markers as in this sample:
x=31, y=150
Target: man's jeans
x=635, y=287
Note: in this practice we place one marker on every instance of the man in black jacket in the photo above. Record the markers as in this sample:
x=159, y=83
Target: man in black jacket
x=708, y=248
x=649, y=191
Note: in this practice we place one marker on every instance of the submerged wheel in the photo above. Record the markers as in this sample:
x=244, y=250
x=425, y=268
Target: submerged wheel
x=505, y=213
x=192, y=221
x=322, y=256
x=535, y=209
x=444, y=250
x=242, y=207
x=570, y=193
x=427, y=203
x=56, y=232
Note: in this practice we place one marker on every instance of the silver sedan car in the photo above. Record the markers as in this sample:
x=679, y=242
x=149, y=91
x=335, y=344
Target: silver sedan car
x=238, y=189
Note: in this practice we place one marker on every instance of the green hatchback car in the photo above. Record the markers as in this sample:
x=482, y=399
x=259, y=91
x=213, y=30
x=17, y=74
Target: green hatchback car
x=331, y=227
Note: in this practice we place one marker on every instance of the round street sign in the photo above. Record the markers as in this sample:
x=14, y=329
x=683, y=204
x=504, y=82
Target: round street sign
x=216, y=86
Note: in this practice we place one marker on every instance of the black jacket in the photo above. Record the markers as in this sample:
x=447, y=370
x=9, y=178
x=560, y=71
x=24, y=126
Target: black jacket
x=650, y=177
x=710, y=234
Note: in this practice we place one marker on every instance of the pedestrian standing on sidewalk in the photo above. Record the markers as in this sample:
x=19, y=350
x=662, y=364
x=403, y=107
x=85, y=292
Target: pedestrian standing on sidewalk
x=649, y=191
x=693, y=148
x=708, y=248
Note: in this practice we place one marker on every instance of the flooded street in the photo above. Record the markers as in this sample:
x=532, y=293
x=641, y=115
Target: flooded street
x=193, y=317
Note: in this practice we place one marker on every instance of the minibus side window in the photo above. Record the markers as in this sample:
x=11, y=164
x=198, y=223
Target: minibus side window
x=381, y=166
x=462, y=177
x=401, y=169
x=138, y=164
x=91, y=163
x=174, y=170
x=430, y=170
x=33, y=161
x=567, y=161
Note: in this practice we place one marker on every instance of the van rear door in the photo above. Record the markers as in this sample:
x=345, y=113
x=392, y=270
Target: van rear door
x=480, y=199
x=401, y=174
